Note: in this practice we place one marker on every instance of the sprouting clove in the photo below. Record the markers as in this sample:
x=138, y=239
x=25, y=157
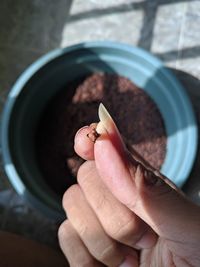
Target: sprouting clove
x=93, y=134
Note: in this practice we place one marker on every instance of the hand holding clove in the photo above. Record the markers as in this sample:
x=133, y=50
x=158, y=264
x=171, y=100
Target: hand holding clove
x=123, y=212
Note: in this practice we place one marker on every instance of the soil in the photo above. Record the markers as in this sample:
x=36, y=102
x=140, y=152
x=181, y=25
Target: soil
x=76, y=105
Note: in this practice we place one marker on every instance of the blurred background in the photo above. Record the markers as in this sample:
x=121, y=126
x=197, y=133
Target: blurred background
x=30, y=28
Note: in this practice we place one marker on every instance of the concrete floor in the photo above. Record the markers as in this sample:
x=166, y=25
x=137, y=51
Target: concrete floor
x=30, y=28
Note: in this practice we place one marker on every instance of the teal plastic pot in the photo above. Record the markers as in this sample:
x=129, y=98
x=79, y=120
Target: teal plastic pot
x=44, y=78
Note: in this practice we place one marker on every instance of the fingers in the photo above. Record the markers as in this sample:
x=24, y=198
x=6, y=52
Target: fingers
x=83, y=145
x=141, y=188
x=129, y=228
x=73, y=247
x=118, y=221
x=86, y=224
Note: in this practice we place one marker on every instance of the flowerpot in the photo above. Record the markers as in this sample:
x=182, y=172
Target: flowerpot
x=42, y=81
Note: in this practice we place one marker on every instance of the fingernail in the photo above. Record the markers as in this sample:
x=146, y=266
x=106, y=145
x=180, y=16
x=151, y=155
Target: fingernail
x=130, y=261
x=147, y=241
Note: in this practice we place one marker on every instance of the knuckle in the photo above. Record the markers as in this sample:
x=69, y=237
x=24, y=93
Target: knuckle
x=124, y=228
x=126, y=231
x=81, y=175
x=81, y=172
x=100, y=201
x=70, y=195
x=107, y=253
x=82, y=229
x=85, y=170
x=67, y=241
x=63, y=230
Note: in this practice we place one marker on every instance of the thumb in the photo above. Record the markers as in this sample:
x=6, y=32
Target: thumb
x=139, y=186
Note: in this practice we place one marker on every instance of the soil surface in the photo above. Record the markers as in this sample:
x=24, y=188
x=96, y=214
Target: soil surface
x=76, y=105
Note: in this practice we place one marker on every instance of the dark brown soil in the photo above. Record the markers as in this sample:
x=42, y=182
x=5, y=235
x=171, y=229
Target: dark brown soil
x=136, y=115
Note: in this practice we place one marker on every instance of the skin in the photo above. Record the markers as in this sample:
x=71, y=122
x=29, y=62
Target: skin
x=118, y=216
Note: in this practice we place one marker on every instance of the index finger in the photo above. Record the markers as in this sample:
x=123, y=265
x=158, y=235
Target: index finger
x=83, y=145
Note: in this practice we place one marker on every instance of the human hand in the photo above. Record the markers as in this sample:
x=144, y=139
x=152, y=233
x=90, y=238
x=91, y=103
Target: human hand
x=124, y=213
